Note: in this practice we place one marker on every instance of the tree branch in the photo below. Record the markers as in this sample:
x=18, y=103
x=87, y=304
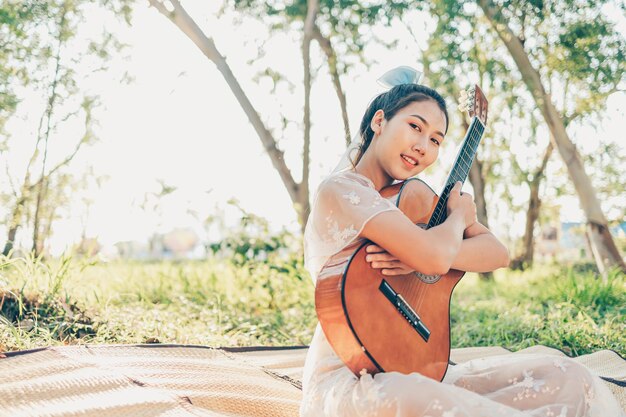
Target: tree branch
x=331, y=57
x=179, y=16
x=64, y=162
x=309, y=24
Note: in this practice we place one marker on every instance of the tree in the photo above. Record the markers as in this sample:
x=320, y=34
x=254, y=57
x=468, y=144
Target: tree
x=44, y=56
x=587, y=48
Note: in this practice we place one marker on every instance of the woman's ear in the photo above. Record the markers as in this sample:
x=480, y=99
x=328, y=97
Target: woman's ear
x=377, y=121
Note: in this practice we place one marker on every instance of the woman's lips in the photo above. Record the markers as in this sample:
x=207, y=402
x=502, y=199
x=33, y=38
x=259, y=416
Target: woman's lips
x=407, y=163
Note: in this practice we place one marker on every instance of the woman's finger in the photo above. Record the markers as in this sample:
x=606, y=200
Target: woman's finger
x=386, y=264
x=374, y=249
x=395, y=271
x=380, y=257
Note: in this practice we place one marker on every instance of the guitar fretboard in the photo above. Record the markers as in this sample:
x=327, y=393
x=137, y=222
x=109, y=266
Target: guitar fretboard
x=460, y=170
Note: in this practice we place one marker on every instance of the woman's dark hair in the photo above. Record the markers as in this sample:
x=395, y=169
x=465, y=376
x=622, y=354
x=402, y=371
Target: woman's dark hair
x=392, y=101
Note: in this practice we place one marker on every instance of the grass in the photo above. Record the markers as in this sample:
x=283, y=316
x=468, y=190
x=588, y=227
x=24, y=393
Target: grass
x=271, y=302
x=556, y=306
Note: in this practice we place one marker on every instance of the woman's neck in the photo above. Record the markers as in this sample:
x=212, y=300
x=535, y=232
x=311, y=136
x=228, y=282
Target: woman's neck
x=370, y=168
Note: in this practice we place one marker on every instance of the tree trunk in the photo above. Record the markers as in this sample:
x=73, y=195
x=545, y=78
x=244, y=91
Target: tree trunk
x=526, y=258
x=604, y=249
x=478, y=183
x=36, y=248
x=16, y=220
x=47, y=229
x=309, y=26
x=43, y=184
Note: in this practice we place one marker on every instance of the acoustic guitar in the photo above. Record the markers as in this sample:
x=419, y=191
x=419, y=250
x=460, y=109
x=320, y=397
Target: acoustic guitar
x=377, y=323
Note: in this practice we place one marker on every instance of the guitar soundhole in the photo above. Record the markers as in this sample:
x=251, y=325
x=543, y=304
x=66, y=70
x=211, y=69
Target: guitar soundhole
x=428, y=279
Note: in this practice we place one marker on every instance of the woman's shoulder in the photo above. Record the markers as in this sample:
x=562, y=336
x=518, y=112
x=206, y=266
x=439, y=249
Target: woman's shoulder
x=347, y=191
x=348, y=178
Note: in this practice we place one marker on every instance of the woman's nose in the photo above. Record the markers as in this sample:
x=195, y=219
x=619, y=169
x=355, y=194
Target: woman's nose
x=420, y=145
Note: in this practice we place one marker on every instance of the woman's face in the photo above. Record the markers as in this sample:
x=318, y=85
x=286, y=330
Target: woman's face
x=409, y=142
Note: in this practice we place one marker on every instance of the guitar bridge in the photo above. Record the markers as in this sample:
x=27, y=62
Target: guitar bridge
x=405, y=309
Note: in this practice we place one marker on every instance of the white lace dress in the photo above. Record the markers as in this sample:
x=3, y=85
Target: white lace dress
x=508, y=385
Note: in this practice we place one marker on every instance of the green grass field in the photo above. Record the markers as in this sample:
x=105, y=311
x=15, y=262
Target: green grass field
x=271, y=302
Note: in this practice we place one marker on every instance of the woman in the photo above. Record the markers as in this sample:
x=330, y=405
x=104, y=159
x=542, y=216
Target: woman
x=401, y=133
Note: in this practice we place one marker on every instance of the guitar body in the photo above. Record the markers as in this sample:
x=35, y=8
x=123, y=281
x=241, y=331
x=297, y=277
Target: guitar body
x=358, y=307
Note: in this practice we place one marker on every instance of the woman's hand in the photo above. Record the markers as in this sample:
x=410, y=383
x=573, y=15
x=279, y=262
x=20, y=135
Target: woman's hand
x=381, y=259
x=464, y=203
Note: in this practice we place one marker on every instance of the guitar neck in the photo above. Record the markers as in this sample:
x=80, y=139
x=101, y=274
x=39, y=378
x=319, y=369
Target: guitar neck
x=460, y=169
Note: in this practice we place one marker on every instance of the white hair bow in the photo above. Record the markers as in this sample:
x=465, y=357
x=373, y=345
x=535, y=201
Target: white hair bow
x=400, y=75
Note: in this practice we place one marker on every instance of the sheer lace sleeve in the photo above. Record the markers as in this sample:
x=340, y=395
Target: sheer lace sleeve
x=344, y=203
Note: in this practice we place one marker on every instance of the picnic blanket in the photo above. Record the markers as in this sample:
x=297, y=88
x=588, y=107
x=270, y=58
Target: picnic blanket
x=186, y=380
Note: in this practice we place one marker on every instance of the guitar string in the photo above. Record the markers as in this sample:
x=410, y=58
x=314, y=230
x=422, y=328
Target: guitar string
x=422, y=297
x=474, y=138
x=417, y=288
x=420, y=293
x=454, y=176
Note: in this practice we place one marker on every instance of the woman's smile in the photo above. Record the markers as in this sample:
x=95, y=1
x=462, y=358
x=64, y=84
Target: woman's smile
x=408, y=161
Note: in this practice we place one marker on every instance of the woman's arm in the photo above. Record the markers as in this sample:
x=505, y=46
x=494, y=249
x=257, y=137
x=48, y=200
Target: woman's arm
x=429, y=251
x=480, y=251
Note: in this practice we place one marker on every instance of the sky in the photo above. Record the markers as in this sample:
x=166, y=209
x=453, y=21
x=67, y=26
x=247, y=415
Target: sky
x=178, y=122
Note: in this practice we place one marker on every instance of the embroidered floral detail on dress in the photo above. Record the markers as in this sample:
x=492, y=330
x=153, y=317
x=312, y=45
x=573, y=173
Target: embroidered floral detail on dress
x=352, y=197
x=464, y=383
x=450, y=413
x=437, y=405
x=548, y=390
x=377, y=200
x=339, y=236
x=563, y=413
x=530, y=385
x=561, y=364
x=375, y=396
x=589, y=394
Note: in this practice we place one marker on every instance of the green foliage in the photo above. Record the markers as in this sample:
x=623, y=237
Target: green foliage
x=221, y=303
x=17, y=19
x=252, y=240
x=44, y=315
x=209, y=302
x=607, y=167
x=344, y=22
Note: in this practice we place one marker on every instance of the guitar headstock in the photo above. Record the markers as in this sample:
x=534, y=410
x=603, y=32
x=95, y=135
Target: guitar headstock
x=474, y=102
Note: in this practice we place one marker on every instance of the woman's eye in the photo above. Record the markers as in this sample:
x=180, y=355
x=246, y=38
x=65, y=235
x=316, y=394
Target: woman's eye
x=435, y=140
x=413, y=125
